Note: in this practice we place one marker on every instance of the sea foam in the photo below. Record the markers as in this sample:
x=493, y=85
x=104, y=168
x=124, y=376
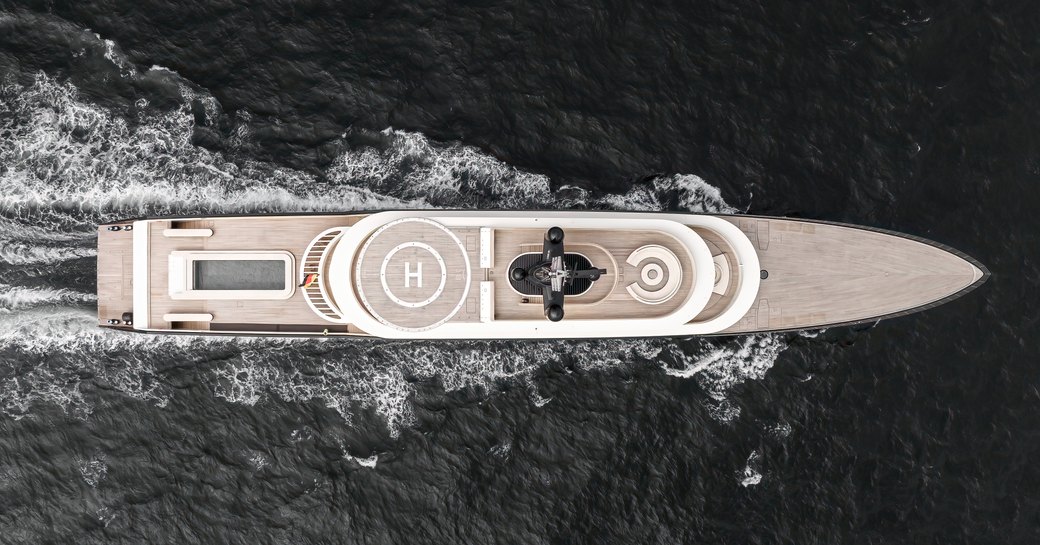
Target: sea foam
x=69, y=164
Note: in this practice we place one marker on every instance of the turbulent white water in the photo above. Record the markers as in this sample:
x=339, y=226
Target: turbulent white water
x=66, y=164
x=13, y=298
x=93, y=469
x=751, y=475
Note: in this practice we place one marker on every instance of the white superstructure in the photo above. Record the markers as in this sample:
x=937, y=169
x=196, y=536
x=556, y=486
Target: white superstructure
x=439, y=274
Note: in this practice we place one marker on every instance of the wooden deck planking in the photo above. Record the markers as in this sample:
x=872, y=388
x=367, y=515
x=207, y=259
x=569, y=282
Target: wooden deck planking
x=618, y=303
x=370, y=282
x=115, y=274
x=823, y=274
x=290, y=233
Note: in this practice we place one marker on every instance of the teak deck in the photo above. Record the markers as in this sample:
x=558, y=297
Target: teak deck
x=607, y=296
x=819, y=274
x=458, y=299
x=822, y=274
x=115, y=274
x=291, y=233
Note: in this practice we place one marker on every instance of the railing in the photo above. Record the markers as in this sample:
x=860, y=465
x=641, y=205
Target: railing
x=313, y=263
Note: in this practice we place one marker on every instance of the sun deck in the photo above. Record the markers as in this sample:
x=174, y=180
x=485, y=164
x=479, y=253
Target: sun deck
x=233, y=234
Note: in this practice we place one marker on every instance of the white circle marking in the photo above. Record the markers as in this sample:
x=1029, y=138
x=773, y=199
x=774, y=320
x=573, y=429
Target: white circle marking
x=390, y=293
x=651, y=274
x=361, y=259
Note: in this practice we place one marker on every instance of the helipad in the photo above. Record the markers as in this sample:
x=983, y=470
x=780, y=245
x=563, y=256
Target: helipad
x=413, y=274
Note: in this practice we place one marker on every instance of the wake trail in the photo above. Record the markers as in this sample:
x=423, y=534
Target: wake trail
x=70, y=164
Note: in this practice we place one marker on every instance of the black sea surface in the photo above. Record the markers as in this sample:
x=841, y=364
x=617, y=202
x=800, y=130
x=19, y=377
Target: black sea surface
x=916, y=116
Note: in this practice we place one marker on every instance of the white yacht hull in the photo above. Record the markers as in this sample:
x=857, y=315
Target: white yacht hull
x=439, y=274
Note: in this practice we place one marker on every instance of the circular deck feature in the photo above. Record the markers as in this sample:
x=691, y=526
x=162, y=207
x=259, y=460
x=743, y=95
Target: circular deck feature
x=660, y=274
x=413, y=274
x=416, y=249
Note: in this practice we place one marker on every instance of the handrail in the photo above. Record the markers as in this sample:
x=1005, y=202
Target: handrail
x=314, y=263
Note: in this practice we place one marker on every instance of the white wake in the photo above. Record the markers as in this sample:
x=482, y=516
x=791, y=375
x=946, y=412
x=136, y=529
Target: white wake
x=69, y=163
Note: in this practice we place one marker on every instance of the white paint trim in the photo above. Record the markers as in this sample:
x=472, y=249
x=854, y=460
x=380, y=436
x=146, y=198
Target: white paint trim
x=187, y=233
x=248, y=333
x=487, y=247
x=748, y=283
x=188, y=317
x=487, y=301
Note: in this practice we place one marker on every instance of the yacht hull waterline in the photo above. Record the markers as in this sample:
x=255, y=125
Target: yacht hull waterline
x=440, y=274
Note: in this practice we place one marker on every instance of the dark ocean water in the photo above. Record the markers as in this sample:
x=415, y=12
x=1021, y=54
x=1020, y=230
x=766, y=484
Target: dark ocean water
x=919, y=117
